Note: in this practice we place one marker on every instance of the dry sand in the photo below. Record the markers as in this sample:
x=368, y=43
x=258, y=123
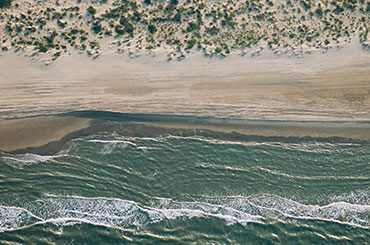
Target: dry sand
x=321, y=87
x=35, y=132
x=333, y=86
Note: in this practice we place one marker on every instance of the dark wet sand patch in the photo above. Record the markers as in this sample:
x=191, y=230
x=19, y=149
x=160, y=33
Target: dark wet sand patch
x=48, y=135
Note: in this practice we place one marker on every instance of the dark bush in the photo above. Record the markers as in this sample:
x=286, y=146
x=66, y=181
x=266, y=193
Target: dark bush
x=91, y=10
x=177, y=17
x=212, y=31
x=119, y=30
x=5, y=3
x=319, y=12
x=192, y=26
x=127, y=25
x=96, y=27
x=152, y=29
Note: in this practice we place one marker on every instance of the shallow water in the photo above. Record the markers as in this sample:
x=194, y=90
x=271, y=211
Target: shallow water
x=112, y=188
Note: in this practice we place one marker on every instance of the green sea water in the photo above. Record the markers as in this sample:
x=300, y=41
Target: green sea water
x=114, y=188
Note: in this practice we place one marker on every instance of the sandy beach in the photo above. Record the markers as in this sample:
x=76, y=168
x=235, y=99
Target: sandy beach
x=321, y=87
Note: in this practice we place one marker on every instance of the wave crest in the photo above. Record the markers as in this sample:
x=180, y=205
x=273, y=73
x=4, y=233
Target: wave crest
x=125, y=214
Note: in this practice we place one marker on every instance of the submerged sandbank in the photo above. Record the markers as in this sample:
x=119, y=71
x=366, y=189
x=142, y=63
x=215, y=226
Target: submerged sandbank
x=34, y=132
x=48, y=135
x=279, y=129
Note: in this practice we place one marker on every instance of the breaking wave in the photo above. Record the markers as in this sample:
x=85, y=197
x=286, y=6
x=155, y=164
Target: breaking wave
x=21, y=160
x=126, y=214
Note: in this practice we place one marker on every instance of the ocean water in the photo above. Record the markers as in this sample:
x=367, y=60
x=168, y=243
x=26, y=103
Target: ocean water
x=114, y=188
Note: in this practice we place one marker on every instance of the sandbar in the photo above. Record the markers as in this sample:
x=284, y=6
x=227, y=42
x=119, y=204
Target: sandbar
x=35, y=132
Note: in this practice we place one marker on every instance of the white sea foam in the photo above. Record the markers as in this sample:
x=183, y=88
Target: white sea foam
x=356, y=197
x=126, y=142
x=113, y=141
x=125, y=214
x=109, y=146
x=315, y=147
x=21, y=160
x=13, y=217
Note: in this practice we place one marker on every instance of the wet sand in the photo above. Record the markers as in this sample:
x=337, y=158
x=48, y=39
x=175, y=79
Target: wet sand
x=35, y=132
x=279, y=129
x=48, y=135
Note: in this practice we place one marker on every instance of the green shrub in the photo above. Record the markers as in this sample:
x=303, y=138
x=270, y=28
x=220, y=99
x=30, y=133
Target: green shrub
x=152, y=29
x=96, y=27
x=319, y=12
x=119, y=30
x=212, y=31
x=5, y=3
x=190, y=44
x=91, y=10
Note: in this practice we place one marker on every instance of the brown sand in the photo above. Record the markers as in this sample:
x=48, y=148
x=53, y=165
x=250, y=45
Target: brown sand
x=34, y=132
x=48, y=135
x=279, y=129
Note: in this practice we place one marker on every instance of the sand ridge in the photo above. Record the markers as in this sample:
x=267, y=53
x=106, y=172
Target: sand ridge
x=34, y=132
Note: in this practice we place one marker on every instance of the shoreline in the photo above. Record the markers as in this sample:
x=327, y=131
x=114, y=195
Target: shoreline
x=295, y=92
x=77, y=124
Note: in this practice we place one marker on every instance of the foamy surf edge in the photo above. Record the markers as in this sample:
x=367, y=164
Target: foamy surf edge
x=127, y=215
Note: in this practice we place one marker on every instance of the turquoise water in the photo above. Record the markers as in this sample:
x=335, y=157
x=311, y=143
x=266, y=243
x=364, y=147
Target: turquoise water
x=112, y=188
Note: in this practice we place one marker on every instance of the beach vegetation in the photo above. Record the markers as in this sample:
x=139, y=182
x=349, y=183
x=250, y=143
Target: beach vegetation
x=96, y=27
x=152, y=29
x=19, y=28
x=94, y=45
x=91, y=10
x=61, y=24
x=57, y=54
x=216, y=27
x=192, y=26
x=319, y=12
x=149, y=47
x=126, y=24
x=190, y=44
x=5, y=3
x=83, y=38
x=42, y=47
